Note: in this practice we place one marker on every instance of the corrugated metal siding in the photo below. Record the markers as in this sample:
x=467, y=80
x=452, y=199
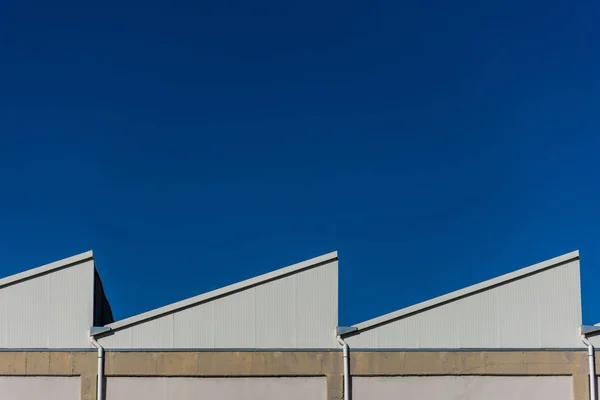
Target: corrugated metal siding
x=48, y=311
x=595, y=340
x=296, y=311
x=538, y=311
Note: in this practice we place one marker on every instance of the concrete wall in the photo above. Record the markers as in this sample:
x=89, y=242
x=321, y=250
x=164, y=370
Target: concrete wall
x=464, y=387
x=39, y=388
x=217, y=388
x=204, y=371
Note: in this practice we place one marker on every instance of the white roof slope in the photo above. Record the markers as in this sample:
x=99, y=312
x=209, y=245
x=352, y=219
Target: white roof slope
x=51, y=306
x=44, y=269
x=548, y=296
x=280, y=304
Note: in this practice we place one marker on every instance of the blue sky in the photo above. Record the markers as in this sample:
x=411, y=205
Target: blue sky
x=434, y=144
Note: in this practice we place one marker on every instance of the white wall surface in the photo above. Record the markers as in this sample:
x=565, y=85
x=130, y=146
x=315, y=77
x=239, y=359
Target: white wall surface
x=537, y=311
x=54, y=310
x=595, y=340
x=463, y=387
x=314, y=388
x=294, y=311
x=40, y=388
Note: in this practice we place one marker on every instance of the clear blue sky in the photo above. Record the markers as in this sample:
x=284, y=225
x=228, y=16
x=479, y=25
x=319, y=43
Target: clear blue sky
x=434, y=144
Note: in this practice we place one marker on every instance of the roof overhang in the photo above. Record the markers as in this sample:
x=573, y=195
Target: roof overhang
x=589, y=330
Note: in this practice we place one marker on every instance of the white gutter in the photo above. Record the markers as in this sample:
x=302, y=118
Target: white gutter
x=339, y=332
x=585, y=331
x=347, y=395
x=100, y=385
x=592, y=367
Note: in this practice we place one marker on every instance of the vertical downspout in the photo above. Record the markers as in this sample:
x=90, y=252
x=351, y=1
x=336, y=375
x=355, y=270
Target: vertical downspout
x=592, y=367
x=347, y=395
x=100, y=384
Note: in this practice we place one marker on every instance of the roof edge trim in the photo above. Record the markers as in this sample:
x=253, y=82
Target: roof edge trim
x=592, y=330
x=44, y=269
x=224, y=291
x=479, y=287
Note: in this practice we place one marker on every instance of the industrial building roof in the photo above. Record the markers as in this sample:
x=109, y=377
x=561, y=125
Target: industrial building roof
x=295, y=307
x=538, y=307
x=53, y=306
x=503, y=279
x=44, y=269
x=224, y=291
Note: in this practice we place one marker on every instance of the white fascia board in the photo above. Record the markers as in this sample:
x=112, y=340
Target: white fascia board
x=587, y=330
x=467, y=291
x=44, y=269
x=236, y=287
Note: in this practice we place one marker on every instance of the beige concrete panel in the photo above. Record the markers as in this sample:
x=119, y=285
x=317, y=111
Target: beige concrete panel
x=335, y=387
x=60, y=363
x=12, y=363
x=39, y=388
x=301, y=388
x=468, y=363
x=555, y=362
x=88, y=386
x=177, y=364
x=471, y=363
x=37, y=363
x=581, y=387
x=380, y=363
x=135, y=363
x=463, y=387
x=294, y=363
x=267, y=363
x=222, y=363
x=505, y=363
x=84, y=362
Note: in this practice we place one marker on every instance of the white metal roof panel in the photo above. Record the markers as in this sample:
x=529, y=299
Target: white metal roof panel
x=294, y=307
x=44, y=269
x=48, y=307
x=535, y=307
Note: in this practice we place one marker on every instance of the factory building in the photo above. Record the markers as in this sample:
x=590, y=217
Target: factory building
x=276, y=336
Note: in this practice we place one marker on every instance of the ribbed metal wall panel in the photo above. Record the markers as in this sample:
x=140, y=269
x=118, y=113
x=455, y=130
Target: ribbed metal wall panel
x=121, y=341
x=595, y=341
x=277, y=302
x=542, y=310
x=316, y=308
x=54, y=310
x=162, y=329
x=234, y=319
x=294, y=311
x=191, y=329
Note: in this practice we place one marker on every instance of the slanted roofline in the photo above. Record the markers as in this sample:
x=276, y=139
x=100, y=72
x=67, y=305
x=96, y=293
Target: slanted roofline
x=227, y=290
x=501, y=280
x=44, y=269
